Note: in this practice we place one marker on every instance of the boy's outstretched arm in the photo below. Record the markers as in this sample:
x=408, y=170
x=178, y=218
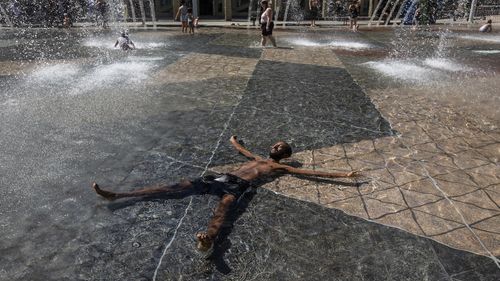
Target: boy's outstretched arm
x=296, y=171
x=243, y=150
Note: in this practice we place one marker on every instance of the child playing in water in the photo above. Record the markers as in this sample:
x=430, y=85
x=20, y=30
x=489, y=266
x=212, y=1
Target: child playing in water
x=66, y=21
x=124, y=42
x=486, y=27
x=182, y=12
x=190, y=20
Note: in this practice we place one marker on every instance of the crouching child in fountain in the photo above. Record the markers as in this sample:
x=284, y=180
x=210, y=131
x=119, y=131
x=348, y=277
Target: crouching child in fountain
x=67, y=21
x=486, y=27
x=124, y=42
x=229, y=187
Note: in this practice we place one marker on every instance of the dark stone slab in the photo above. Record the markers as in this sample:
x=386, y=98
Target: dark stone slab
x=309, y=106
x=269, y=237
x=200, y=44
x=231, y=51
x=464, y=266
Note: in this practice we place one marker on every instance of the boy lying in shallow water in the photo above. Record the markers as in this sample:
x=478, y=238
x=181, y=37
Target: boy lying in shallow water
x=229, y=187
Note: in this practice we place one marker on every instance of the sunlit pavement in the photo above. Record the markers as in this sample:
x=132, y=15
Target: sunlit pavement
x=414, y=111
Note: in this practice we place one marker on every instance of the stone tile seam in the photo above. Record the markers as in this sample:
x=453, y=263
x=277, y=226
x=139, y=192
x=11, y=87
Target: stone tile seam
x=435, y=184
x=484, y=219
x=392, y=131
x=172, y=239
x=441, y=264
x=365, y=207
x=497, y=262
x=423, y=167
x=477, y=206
x=226, y=126
x=315, y=119
x=398, y=187
x=383, y=224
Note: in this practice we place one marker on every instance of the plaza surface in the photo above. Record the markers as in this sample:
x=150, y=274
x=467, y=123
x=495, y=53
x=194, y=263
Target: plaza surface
x=415, y=111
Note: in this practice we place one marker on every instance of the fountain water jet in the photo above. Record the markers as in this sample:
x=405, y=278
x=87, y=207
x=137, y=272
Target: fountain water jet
x=4, y=15
x=293, y=8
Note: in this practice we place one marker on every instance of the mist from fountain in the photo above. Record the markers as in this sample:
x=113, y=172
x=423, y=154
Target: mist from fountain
x=293, y=12
x=342, y=44
x=422, y=56
x=48, y=13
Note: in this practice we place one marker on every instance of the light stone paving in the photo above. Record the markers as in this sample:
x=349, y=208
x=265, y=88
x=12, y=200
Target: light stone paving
x=15, y=68
x=439, y=177
x=196, y=67
x=320, y=56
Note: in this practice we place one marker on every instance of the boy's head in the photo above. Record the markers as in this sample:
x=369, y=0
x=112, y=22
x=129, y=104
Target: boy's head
x=190, y=10
x=280, y=150
x=489, y=21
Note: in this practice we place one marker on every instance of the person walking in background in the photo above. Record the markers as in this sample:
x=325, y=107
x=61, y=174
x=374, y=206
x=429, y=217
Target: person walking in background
x=266, y=23
x=314, y=6
x=182, y=14
x=417, y=17
x=486, y=27
x=353, y=15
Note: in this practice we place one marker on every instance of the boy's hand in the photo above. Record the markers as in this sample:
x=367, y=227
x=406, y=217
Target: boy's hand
x=354, y=174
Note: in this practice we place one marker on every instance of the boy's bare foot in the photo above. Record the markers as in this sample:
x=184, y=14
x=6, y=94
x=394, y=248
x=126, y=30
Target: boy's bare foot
x=106, y=194
x=204, y=242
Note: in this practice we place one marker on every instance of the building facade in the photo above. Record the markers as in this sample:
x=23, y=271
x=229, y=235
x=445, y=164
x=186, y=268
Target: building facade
x=229, y=9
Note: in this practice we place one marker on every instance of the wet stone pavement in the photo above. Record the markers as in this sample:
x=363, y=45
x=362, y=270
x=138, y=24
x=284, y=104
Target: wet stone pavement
x=426, y=207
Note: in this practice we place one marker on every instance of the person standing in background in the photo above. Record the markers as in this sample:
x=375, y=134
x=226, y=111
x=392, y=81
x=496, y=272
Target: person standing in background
x=182, y=13
x=353, y=15
x=266, y=23
x=314, y=6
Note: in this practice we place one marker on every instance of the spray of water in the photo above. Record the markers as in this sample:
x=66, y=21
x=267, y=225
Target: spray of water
x=422, y=56
x=337, y=44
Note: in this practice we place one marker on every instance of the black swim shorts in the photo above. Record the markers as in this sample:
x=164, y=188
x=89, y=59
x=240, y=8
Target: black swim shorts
x=224, y=184
x=265, y=31
x=314, y=12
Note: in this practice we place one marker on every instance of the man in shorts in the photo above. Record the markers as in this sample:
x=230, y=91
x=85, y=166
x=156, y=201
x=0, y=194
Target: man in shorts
x=314, y=6
x=230, y=187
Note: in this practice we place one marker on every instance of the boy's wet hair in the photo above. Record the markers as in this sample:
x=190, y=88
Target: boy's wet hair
x=489, y=21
